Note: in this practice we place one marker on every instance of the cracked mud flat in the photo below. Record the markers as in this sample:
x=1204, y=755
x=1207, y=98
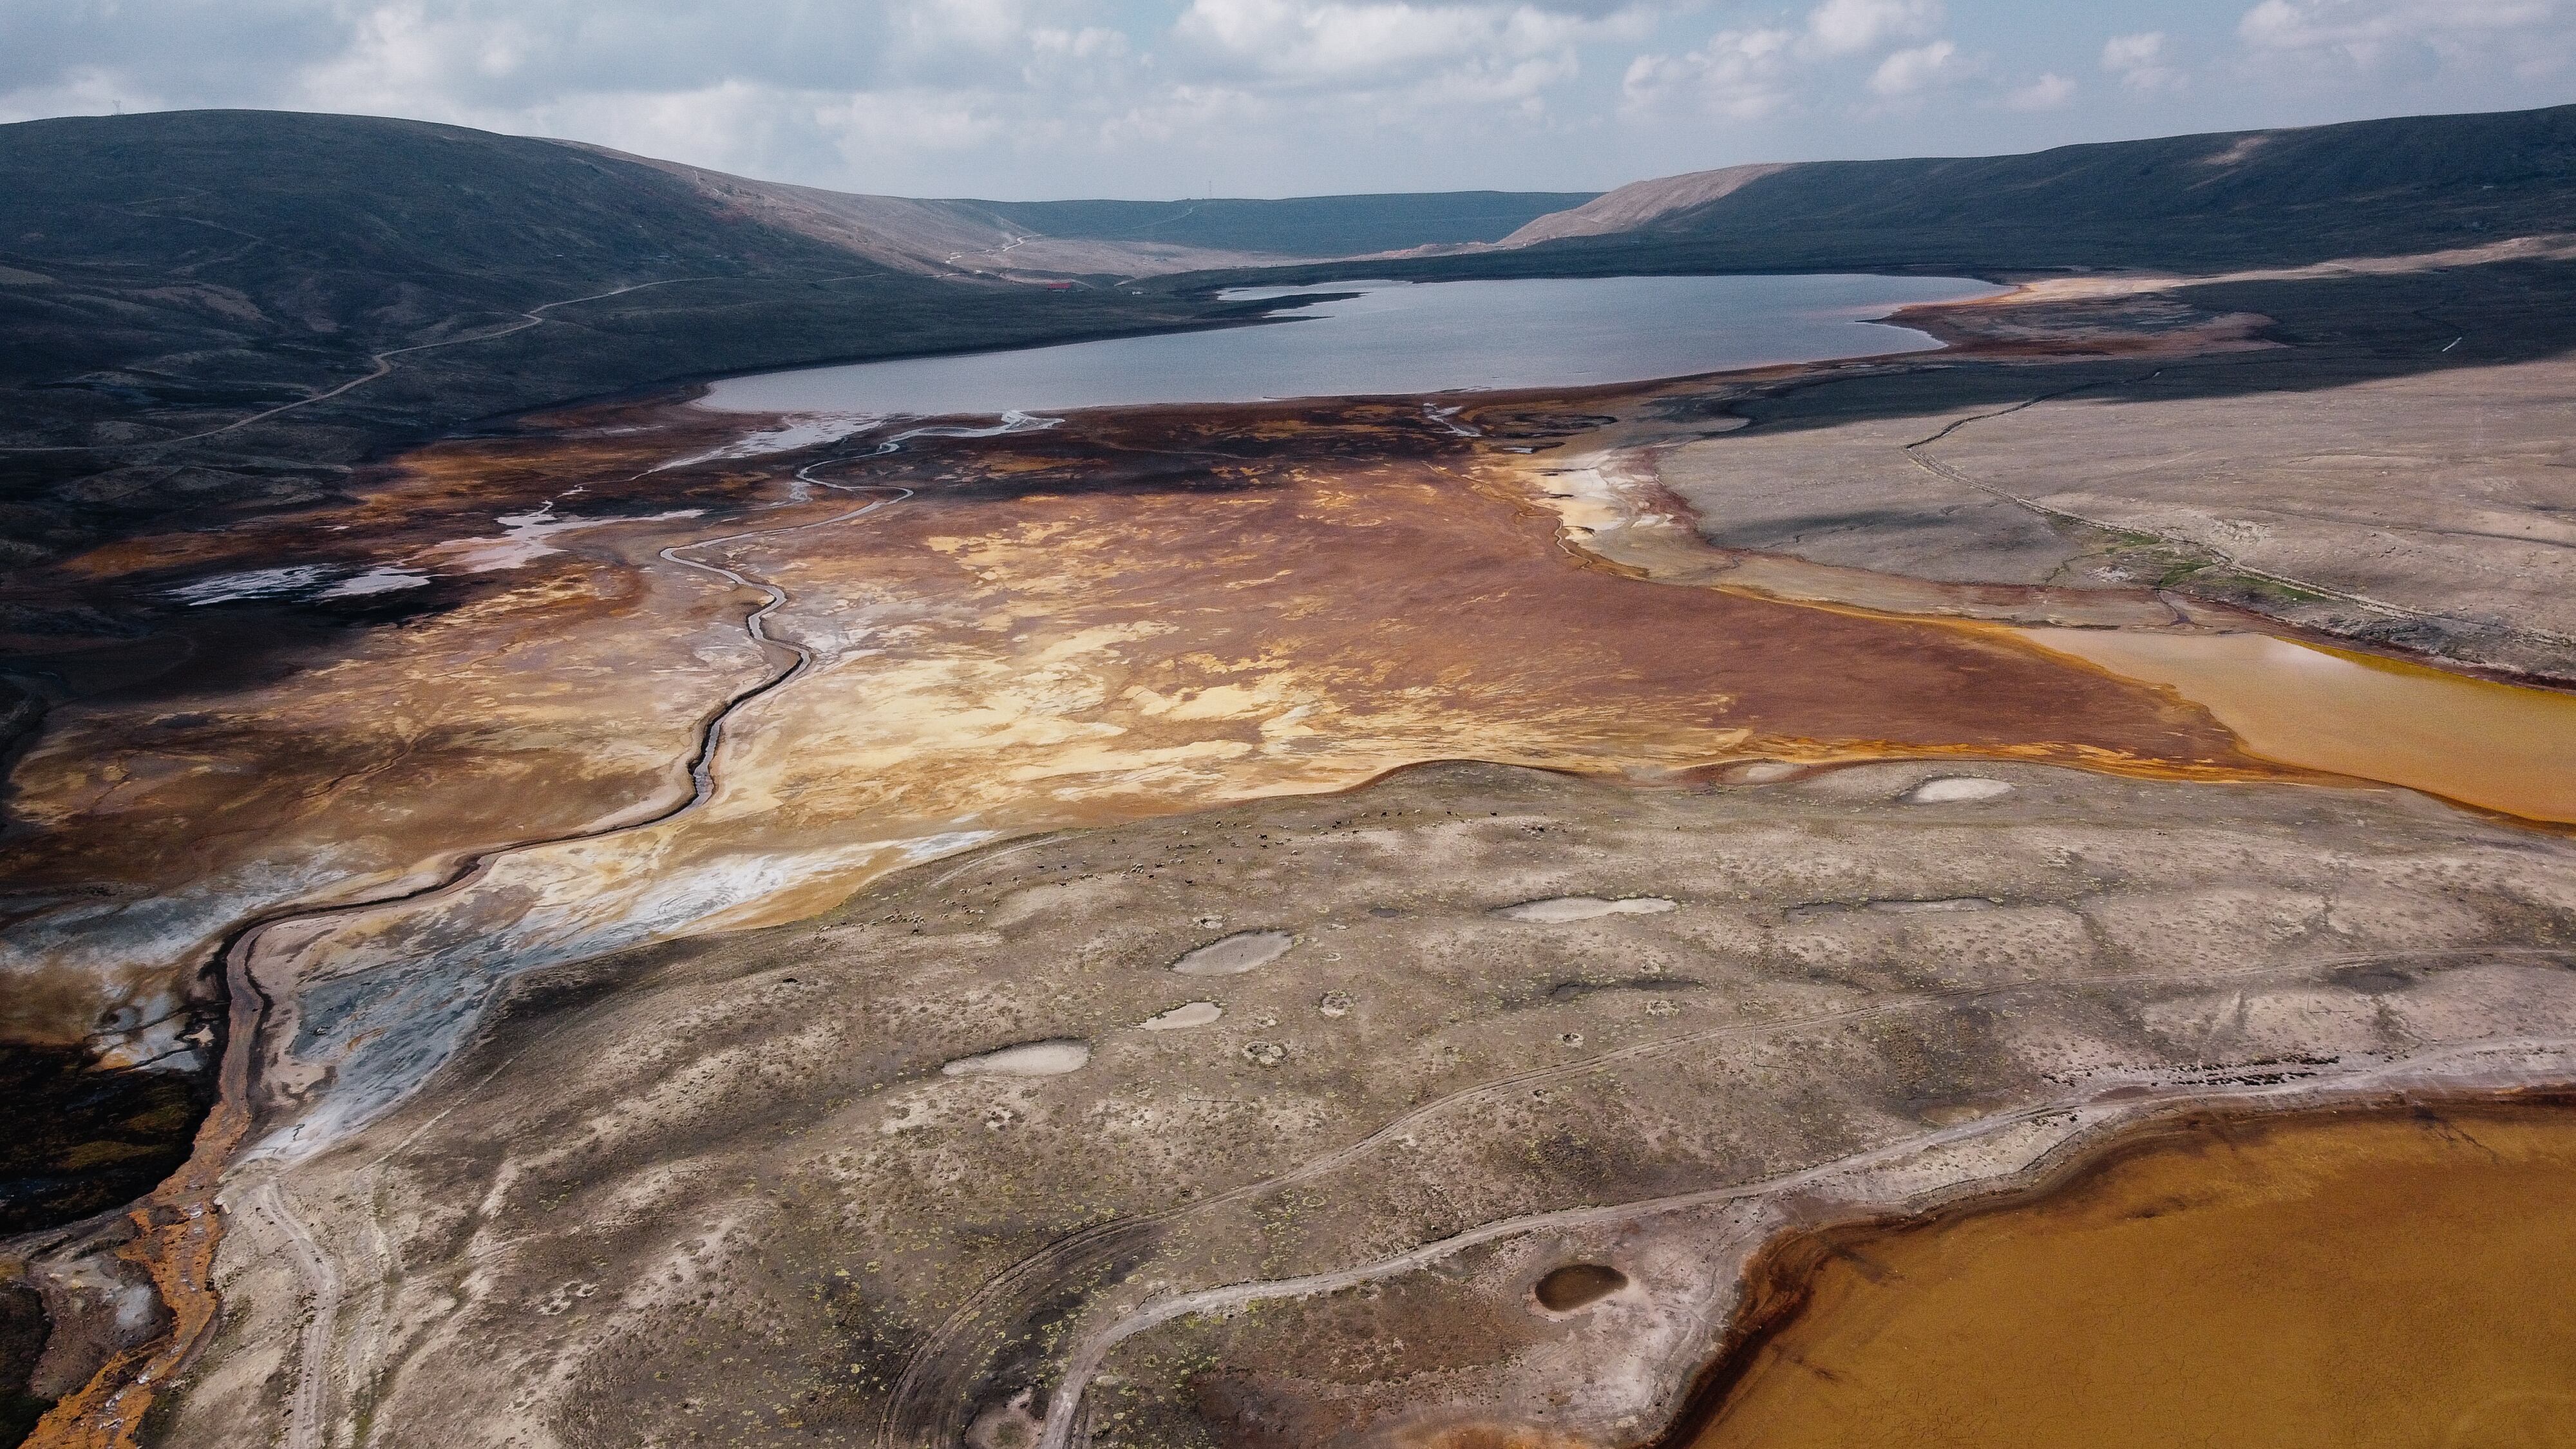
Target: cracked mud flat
x=1120, y=619
x=724, y=1187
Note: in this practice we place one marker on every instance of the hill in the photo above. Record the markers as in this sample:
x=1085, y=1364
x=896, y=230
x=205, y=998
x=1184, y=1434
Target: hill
x=216, y=309
x=2241, y=198
x=1051, y=239
x=1311, y=226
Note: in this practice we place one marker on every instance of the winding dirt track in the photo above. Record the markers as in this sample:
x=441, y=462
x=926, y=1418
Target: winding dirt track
x=1915, y=454
x=310, y=1401
x=180, y=1223
x=2088, y=1119
x=930, y=1399
x=383, y=367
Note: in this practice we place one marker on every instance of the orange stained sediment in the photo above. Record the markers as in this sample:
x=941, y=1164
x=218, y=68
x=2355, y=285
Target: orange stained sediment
x=2395, y=1279
x=1135, y=614
x=1122, y=619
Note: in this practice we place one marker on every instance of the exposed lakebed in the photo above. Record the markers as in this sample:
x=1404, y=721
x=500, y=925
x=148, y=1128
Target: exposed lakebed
x=1365, y=339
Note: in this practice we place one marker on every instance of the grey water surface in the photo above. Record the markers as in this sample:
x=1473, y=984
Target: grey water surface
x=1395, y=338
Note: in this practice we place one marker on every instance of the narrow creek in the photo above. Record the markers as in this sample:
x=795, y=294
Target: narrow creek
x=180, y=1222
x=2394, y=1278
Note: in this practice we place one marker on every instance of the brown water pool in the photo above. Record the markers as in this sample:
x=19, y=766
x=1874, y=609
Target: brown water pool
x=2319, y=1282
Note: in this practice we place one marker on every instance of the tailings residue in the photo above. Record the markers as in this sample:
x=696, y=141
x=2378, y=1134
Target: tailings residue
x=2391, y=1279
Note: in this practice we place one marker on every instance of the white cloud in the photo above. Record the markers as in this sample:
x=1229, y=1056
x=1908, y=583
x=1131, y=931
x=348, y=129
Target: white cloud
x=2141, y=63
x=1374, y=41
x=1149, y=97
x=1742, y=74
x=2374, y=34
x=2048, y=93
x=1906, y=71
x=1749, y=74
x=1847, y=27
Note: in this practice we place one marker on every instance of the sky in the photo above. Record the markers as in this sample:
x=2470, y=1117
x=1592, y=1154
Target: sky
x=1043, y=99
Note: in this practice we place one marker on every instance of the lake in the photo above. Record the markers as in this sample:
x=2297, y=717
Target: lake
x=1394, y=338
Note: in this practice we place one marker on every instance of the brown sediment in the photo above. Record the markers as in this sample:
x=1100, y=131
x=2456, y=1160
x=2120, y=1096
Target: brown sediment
x=1135, y=614
x=2386, y=1274
x=177, y=1230
x=2051, y=321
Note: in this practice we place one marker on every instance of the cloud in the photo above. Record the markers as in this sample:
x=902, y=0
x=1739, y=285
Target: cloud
x=1378, y=41
x=1752, y=73
x=1142, y=97
x=1739, y=73
x=2139, y=61
x=1847, y=27
x=2377, y=34
x=1906, y=71
x=2048, y=93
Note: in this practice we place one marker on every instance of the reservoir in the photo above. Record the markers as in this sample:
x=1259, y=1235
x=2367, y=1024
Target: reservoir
x=1363, y=339
x=2396, y=1279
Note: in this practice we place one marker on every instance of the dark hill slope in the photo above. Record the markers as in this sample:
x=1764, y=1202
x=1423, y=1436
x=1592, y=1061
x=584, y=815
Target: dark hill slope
x=198, y=309
x=210, y=236
x=166, y=275
x=2286, y=197
x=2295, y=195
x=355, y=220
x=1313, y=226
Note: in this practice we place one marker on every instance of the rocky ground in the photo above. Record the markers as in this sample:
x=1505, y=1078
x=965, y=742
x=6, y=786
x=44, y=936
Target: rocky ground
x=796, y=1185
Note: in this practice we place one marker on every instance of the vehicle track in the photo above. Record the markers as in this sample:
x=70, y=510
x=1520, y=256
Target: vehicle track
x=383, y=367
x=928, y=1405
x=1915, y=453
x=1065, y=1404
